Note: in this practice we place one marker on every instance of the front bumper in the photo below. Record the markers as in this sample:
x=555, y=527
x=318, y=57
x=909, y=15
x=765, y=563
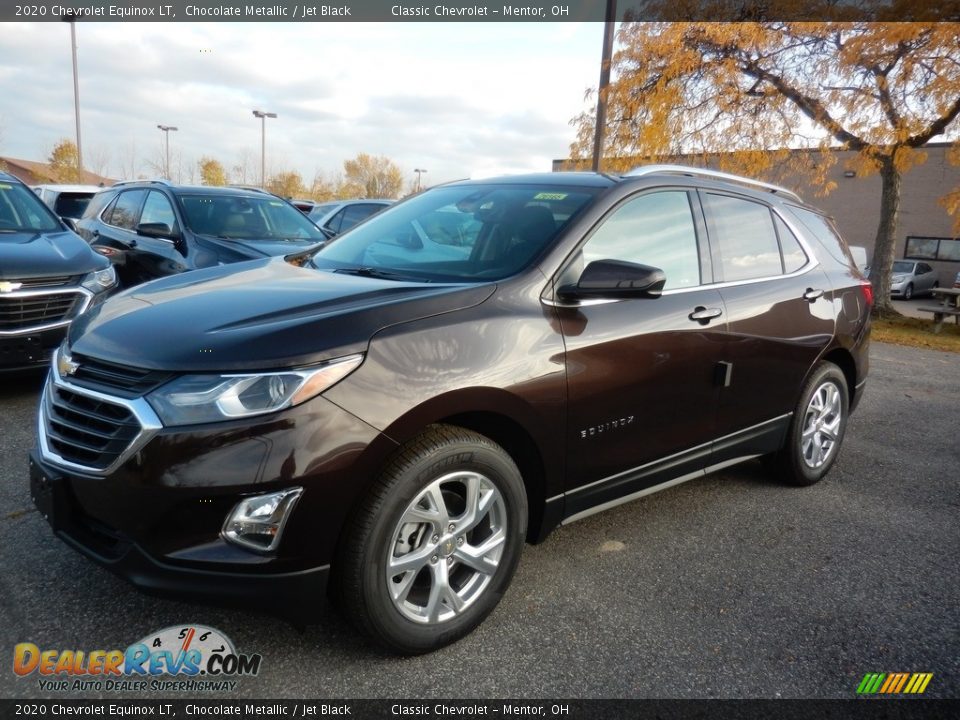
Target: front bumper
x=290, y=594
x=29, y=350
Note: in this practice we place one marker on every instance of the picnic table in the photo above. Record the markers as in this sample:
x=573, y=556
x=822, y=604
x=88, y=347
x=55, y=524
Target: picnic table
x=950, y=306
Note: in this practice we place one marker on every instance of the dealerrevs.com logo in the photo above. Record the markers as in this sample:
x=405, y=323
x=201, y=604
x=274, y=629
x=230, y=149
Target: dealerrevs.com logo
x=181, y=658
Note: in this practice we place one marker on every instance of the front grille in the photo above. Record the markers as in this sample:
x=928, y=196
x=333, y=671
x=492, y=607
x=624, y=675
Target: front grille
x=114, y=379
x=23, y=312
x=85, y=430
x=47, y=282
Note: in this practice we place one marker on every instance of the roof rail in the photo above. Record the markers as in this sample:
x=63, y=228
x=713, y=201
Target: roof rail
x=716, y=174
x=158, y=181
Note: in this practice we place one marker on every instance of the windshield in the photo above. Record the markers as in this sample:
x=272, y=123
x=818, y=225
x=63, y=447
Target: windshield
x=22, y=211
x=241, y=218
x=903, y=267
x=457, y=233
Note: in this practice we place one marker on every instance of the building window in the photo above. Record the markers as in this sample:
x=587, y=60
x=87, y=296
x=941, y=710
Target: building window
x=931, y=248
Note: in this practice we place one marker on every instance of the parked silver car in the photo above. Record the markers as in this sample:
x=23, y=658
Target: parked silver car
x=912, y=278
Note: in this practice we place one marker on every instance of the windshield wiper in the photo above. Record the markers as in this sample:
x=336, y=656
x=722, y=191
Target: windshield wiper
x=372, y=272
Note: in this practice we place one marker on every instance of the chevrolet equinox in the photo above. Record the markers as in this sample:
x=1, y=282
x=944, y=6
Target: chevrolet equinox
x=389, y=424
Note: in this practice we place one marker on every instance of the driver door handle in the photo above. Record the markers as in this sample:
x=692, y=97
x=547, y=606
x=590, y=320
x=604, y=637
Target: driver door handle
x=704, y=315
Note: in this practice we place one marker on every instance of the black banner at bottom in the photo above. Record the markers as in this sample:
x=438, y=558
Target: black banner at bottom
x=854, y=709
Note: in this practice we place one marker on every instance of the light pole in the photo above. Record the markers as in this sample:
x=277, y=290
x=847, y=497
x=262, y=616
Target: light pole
x=263, y=143
x=76, y=96
x=418, y=171
x=166, y=133
x=608, y=28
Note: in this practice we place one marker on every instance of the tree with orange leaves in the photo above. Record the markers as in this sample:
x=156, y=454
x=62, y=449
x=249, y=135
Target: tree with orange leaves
x=743, y=93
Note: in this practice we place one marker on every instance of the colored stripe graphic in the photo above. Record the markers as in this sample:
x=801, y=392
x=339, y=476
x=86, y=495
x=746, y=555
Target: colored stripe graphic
x=894, y=683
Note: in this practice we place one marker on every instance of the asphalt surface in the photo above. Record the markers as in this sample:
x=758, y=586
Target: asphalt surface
x=730, y=586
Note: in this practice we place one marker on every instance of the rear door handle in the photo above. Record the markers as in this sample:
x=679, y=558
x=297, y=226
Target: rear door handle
x=704, y=315
x=811, y=294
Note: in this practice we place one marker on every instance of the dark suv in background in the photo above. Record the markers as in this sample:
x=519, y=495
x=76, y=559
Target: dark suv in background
x=150, y=229
x=400, y=423
x=48, y=276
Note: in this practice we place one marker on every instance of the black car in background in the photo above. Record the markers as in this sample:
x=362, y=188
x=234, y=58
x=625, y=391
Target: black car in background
x=153, y=228
x=338, y=216
x=48, y=276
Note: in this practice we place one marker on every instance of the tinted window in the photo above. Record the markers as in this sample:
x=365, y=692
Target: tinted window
x=72, y=205
x=742, y=231
x=794, y=257
x=824, y=231
x=126, y=209
x=234, y=216
x=655, y=230
x=98, y=202
x=355, y=213
x=924, y=268
x=157, y=209
x=335, y=222
x=21, y=209
x=504, y=227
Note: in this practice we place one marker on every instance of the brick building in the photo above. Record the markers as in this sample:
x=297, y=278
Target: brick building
x=38, y=173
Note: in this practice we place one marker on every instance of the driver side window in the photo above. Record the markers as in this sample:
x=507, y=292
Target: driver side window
x=655, y=229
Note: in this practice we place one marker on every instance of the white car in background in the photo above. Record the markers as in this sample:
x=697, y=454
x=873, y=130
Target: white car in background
x=67, y=201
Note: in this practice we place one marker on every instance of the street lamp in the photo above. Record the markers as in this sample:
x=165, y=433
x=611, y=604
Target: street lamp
x=418, y=171
x=76, y=95
x=263, y=143
x=166, y=133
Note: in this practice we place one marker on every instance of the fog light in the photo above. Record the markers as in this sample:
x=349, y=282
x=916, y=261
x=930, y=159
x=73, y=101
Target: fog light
x=256, y=523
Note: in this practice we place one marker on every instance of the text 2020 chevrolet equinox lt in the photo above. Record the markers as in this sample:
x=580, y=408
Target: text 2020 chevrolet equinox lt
x=400, y=428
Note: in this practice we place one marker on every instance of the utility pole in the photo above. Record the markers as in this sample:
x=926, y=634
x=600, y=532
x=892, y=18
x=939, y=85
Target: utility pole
x=604, y=83
x=166, y=132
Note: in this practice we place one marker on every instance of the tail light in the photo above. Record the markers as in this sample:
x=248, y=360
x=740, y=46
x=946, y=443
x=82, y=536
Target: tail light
x=867, y=290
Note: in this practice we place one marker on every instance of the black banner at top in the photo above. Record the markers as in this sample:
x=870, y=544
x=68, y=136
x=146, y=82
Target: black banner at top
x=476, y=10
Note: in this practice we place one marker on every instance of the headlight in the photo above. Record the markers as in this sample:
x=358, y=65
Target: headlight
x=100, y=280
x=897, y=279
x=194, y=399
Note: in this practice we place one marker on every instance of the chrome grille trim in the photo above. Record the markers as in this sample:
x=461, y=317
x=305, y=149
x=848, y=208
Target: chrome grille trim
x=85, y=298
x=138, y=408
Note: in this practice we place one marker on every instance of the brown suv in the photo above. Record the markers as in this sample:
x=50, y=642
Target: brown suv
x=398, y=411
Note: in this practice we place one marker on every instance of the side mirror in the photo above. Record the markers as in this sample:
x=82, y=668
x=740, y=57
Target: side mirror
x=616, y=279
x=156, y=230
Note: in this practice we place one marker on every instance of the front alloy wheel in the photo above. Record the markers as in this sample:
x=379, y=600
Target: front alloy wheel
x=448, y=545
x=434, y=547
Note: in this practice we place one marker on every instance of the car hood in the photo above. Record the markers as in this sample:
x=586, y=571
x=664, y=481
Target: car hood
x=260, y=314
x=253, y=247
x=32, y=255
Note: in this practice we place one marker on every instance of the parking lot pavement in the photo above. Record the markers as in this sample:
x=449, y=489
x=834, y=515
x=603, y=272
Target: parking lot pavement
x=730, y=586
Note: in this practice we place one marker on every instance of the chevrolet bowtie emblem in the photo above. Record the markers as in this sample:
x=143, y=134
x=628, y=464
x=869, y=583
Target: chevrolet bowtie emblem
x=8, y=287
x=66, y=365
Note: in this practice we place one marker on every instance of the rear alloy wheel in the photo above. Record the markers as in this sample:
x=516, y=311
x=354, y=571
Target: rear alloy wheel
x=816, y=430
x=434, y=549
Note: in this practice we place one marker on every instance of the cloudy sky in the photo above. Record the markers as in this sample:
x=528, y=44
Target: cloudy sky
x=460, y=100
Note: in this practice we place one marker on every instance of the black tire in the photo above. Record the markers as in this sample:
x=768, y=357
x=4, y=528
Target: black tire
x=908, y=292
x=448, y=461
x=797, y=463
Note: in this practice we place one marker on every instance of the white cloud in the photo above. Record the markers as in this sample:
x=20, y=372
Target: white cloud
x=458, y=99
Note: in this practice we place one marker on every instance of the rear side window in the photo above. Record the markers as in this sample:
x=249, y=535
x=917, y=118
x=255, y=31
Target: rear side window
x=655, y=230
x=743, y=235
x=97, y=203
x=72, y=205
x=794, y=257
x=126, y=209
x=823, y=230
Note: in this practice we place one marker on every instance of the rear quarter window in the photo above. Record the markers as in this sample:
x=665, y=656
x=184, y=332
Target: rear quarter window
x=824, y=231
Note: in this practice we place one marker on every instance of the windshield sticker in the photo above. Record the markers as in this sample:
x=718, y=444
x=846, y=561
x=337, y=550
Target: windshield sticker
x=276, y=204
x=550, y=196
x=6, y=187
